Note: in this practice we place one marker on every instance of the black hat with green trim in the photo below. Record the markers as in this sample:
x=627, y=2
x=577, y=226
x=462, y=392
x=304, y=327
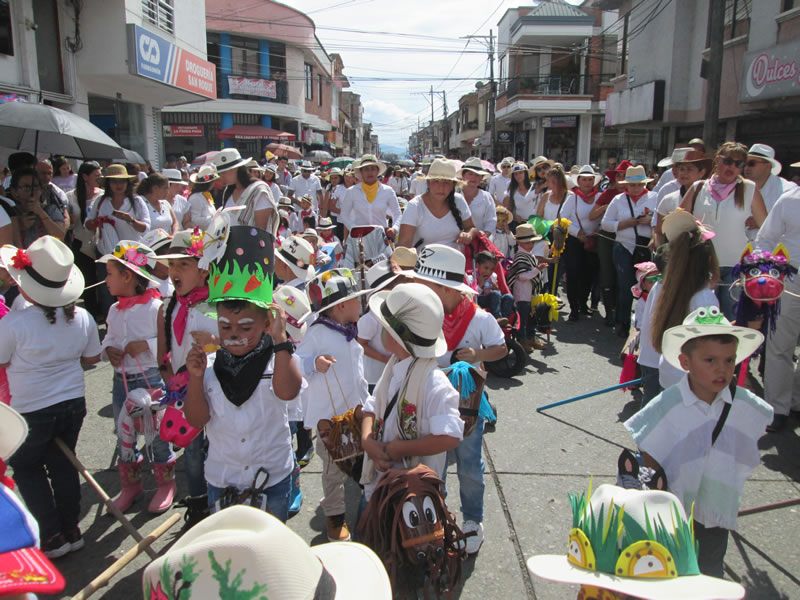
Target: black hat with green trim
x=244, y=270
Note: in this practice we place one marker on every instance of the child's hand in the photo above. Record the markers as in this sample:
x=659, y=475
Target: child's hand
x=115, y=356
x=323, y=362
x=276, y=327
x=137, y=347
x=377, y=452
x=196, y=361
x=207, y=341
x=469, y=355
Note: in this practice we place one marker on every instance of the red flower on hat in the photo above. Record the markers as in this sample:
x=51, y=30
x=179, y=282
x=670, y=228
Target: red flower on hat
x=20, y=260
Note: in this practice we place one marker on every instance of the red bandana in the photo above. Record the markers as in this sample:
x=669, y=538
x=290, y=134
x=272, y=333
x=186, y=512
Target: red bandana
x=126, y=302
x=194, y=297
x=456, y=323
x=580, y=194
x=636, y=198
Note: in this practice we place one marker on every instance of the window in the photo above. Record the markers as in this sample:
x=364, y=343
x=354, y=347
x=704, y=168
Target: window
x=244, y=57
x=6, y=41
x=160, y=13
x=309, y=81
x=319, y=89
x=788, y=5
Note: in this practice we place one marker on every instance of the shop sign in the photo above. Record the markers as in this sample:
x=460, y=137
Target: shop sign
x=637, y=104
x=184, y=131
x=252, y=87
x=771, y=73
x=552, y=122
x=504, y=137
x=154, y=57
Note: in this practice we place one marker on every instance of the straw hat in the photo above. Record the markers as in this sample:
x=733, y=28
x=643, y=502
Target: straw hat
x=369, y=160
x=405, y=258
x=636, y=175
x=297, y=254
x=117, y=172
x=413, y=315
x=188, y=242
x=306, y=166
x=331, y=288
x=504, y=215
x=680, y=221
x=45, y=271
x=443, y=265
x=295, y=303
x=474, y=165
x=380, y=275
x=174, y=176
x=767, y=153
x=325, y=223
x=136, y=256
x=677, y=155
x=206, y=174
x=527, y=233
x=253, y=165
x=443, y=170
x=228, y=159
x=264, y=558
x=540, y=160
x=508, y=160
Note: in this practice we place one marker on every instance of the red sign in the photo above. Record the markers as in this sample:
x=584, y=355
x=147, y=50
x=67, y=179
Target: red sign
x=252, y=87
x=183, y=131
x=195, y=75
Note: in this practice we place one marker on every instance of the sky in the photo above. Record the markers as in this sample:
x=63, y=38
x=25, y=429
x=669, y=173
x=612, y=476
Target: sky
x=392, y=57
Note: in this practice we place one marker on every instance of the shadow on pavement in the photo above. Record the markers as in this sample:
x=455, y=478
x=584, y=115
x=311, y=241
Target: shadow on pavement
x=757, y=581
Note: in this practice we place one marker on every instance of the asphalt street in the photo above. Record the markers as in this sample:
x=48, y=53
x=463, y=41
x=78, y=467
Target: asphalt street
x=532, y=461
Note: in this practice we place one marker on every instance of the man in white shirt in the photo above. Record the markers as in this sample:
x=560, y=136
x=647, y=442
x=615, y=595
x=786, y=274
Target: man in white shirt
x=762, y=168
x=306, y=185
x=398, y=182
x=369, y=202
x=420, y=185
x=498, y=185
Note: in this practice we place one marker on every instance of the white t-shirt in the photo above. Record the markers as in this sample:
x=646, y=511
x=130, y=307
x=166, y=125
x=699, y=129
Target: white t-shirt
x=550, y=212
x=482, y=332
x=370, y=329
x=102, y=207
x=160, y=218
x=432, y=230
x=180, y=206
x=306, y=187
x=668, y=204
x=195, y=321
x=525, y=204
x=483, y=212
x=619, y=210
x=648, y=356
x=201, y=209
x=419, y=186
x=137, y=323
x=498, y=187
x=44, y=360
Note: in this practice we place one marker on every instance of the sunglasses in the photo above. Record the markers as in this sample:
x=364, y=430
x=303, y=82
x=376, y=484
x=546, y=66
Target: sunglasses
x=755, y=163
x=728, y=161
x=505, y=166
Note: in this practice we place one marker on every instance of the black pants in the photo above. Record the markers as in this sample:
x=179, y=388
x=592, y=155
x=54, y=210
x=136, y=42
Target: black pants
x=608, y=273
x=48, y=482
x=87, y=267
x=712, y=543
x=582, y=271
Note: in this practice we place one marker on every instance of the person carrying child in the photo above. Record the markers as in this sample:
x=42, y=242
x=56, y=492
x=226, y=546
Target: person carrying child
x=130, y=345
x=241, y=399
x=333, y=365
x=484, y=281
x=702, y=431
x=43, y=347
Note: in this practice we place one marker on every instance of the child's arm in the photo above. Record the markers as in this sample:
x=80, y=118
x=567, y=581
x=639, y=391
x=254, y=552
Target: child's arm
x=375, y=449
x=425, y=446
x=195, y=407
x=372, y=353
x=286, y=378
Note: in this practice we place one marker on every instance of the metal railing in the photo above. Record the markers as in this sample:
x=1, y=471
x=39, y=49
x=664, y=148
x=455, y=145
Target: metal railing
x=160, y=13
x=556, y=85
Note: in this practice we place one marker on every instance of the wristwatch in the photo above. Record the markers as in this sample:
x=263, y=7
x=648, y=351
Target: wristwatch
x=288, y=345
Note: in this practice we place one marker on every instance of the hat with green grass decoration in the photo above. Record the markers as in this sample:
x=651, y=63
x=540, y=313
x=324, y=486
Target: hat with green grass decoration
x=244, y=269
x=633, y=542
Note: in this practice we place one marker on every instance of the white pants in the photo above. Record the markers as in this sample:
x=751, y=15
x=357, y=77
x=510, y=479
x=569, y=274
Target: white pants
x=781, y=375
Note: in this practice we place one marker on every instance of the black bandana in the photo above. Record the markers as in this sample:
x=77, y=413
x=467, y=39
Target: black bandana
x=239, y=376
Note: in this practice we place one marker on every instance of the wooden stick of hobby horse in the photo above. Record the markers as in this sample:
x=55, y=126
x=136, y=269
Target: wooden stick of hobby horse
x=102, y=493
x=119, y=564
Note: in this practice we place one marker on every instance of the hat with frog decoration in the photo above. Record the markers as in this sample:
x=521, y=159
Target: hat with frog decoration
x=634, y=543
x=240, y=261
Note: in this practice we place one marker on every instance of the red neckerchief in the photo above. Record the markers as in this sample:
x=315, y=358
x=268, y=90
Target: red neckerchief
x=329, y=237
x=456, y=323
x=580, y=194
x=636, y=198
x=194, y=297
x=307, y=213
x=5, y=479
x=126, y=302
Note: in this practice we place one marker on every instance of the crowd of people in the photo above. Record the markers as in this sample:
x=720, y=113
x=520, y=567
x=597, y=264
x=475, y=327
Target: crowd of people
x=263, y=302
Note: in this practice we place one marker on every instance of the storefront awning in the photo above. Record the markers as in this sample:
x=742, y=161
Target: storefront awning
x=255, y=132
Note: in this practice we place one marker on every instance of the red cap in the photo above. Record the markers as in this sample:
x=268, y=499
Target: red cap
x=621, y=168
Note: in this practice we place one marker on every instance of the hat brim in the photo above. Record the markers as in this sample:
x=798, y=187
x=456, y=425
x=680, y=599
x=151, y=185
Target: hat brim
x=776, y=166
x=381, y=167
x=46, y=296
x=439, y=347
x=574, y=178
x=534, y=238
x=193, y=178
x=13, y=431
x=357, y=294
x=119, y=177
x=384, y=283
x=690, y=587
x=478, y=171
x=306, y=274
x=178, y=182
x=238, y=163
x=461, y=287
x=795, y=165
x=675, y=337
x=644, y=181
x=665, y=162
x=135, y=268
x=356, y=569
x=440, y=178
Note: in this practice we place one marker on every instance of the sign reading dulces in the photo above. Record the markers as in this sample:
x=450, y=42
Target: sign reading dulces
x=771, y=73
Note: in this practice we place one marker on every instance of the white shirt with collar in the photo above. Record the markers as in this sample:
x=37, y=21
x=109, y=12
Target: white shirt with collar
x=482, y=332
x=775, y=187
x=134, y=324
x=782, y=225
x=484, y=215
x=356, y=210
x=498, y=187
x=577, y=211
x=302, y=186
x=666, y=177
x=619, y=210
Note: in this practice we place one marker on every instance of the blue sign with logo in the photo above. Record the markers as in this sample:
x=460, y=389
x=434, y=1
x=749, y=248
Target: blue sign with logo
x=151, y=56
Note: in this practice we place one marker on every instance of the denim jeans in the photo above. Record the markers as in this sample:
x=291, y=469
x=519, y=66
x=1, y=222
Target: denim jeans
x=277, y=497
x=500, y=305
x=48, y=482
x=470, y=467
x=723, y=292
x=626, y=277
x=194, y=459
x=162, y=451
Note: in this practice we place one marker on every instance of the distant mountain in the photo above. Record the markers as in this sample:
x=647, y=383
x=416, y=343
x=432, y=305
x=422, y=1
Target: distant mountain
x=398, y=150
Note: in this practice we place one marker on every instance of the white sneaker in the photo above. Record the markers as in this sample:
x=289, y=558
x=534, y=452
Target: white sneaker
x=473, y=541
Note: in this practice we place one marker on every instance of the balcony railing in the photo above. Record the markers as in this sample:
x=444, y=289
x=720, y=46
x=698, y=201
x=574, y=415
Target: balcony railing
x=160, y=13
x=470, y=125
x=556, y=85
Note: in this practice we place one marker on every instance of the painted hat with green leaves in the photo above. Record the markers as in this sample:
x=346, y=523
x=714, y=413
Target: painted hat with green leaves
x=244, y=269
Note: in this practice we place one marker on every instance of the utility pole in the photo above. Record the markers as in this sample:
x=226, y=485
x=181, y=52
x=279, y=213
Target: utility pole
x=444, y=99
x=492, y=99
x=446, y=141
x=716, y=30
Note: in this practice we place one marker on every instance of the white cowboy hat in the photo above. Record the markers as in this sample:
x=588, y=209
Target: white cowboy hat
x=297, y=254
x=508, y=160
x=13, y=431
x=306, y=166
x=311, y=232
x=442, y=169
x=708, y=320
x=331, y=288
x=474, y=165
x=369, y=160
x=677, y=155
x=380, y=275
x=443, y=265
x=261, y=553
x=295, y=303
x=766, y=153
x=137, y=257
x=45, y=271
x=586, y=171
x=228, y=159
x=325, y=223
x=413, y=315
x=205, y=174
x=174, y=176
x=630, y=570
x=636, y=174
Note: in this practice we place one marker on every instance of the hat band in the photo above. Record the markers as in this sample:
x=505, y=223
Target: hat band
x=761, y=155
x=339, y=294
x=636, y=178
x=290, y=258
x=438, y=273
x=326, y=586
x=403, y=331
x=41, y=280
x=383, y=278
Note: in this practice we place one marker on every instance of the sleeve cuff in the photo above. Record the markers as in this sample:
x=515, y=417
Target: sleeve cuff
x=447, y=425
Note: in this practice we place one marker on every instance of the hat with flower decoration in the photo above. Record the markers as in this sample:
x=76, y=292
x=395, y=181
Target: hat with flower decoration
x=295, y=304
x=633, y=542
x=188, y=242
x=298, y=254
x=331, y=288
x=137, y=257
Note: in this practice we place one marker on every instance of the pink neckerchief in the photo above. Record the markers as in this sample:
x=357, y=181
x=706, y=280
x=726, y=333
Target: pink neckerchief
x=194, y=297
x=126, y=302
x=720, y=191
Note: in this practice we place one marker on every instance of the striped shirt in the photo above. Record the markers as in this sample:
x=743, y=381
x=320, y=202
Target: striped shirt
x=675, y=429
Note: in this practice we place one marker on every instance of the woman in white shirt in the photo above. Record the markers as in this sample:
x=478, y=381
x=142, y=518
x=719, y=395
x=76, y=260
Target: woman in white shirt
x=552, y=201
x=439, y=216
x=64, y=178
x=80, y=201
x=329, y=197
x=480, y=202
x=201, y=202
x=270, y=177
x=519, y=198
x=154, y=189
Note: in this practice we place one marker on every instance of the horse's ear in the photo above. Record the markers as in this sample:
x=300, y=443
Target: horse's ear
x=780, y=250
x=658, y=481
x=748, y=249
x=627, y=463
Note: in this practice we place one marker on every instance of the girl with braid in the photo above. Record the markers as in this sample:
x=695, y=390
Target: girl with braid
x=439, y=216
x=185, y=323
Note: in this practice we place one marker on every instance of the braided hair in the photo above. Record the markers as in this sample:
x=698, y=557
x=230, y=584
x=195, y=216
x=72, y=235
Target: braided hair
x=451, y=204
x=50, y=312
x=173, y=301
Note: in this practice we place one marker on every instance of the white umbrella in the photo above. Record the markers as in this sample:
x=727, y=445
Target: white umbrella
x=41, y=128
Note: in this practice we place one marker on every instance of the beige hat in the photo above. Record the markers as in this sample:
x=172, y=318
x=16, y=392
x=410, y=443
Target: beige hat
x=405, y=258
x=442, y=169
x=413, y=315
x=295, y=303
x=369, y=160
x=636, y=174
x=538, y=161
x=527, y=233
x=45, y=271
x=206, y=174
x=117, y=172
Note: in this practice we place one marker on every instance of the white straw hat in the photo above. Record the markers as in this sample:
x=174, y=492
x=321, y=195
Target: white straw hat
x=297, y=254
x=229, y=158
x=369, y=160
x=380, y=275
x=206, y=174
x=413, y=315
x=443, y=265
x=443, y=169
x=45, y=271
x=136, y=256
x=295, y=303
x=474, y=165
x=174, y=176
x=766, y=153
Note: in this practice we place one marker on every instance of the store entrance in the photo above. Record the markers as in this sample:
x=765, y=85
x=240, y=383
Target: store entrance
x=561, y=140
